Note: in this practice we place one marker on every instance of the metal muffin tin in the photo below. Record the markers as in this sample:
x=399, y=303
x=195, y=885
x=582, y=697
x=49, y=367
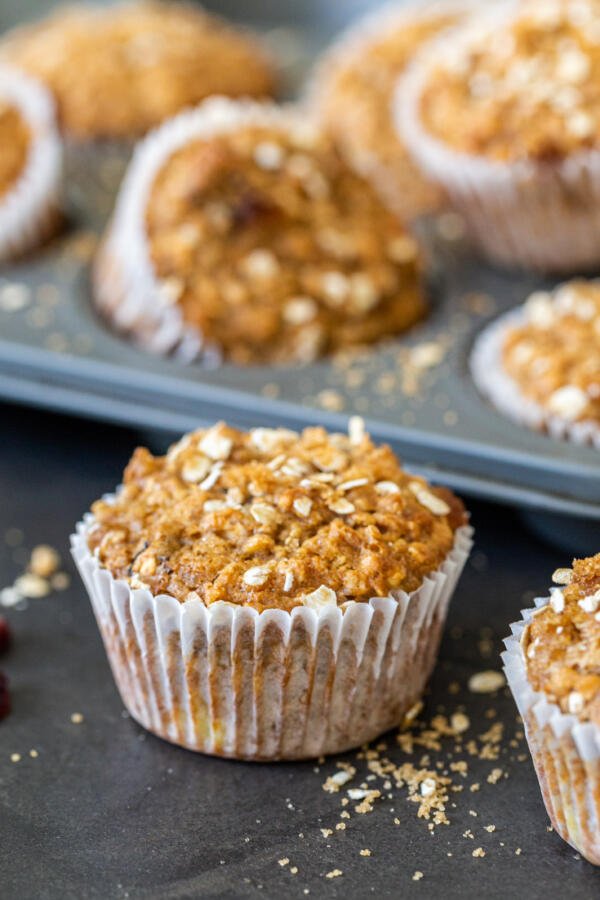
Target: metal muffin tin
x=55, y=352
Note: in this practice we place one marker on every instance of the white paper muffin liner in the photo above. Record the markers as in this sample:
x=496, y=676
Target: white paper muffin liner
x=127, y=290
x=565, y=751
x=543, y=216
x=30, y=210
x=495, y=383
x=228, y=681
x=403, y=196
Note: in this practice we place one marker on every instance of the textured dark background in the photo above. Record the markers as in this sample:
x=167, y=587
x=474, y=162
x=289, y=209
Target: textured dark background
x=106, y=811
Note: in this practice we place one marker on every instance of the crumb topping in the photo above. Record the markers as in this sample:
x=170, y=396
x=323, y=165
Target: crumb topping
x=256, y=519
x=41, y=576
x=355, y=95
x=554, y=357
x=527, y=87
x=275, y=250
x=435, y=761
x=15, y=142
x=562, y=642
x=117, y=72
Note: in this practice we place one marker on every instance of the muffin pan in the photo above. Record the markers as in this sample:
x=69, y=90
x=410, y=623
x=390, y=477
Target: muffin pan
x=415, y=391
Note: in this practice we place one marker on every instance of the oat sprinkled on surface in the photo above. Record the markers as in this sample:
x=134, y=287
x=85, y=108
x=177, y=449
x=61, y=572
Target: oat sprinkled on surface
x=335, y=873
x=434, y=778
x=44, y=561
x=41, y=575
x=486, y=682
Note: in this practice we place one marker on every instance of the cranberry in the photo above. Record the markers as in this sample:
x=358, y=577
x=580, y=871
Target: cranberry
x=250, y=208
x=4, y=696
x=5, y=635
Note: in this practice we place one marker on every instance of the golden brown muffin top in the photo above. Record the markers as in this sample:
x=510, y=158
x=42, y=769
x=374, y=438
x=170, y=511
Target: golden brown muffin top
x=562, y=642
x=275, y=250
x=274, y=519
x=528, y=87
x=554, y=356
x=118, y=71
x=15, y=141
x=354, y=91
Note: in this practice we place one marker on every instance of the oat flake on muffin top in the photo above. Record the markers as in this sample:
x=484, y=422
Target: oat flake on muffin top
x=118, y=71
x=562, y=642
x=554, y=355
x=15, y=139
x=523, y=86
x=274, y=519
x=275, y=251
x=353, y=91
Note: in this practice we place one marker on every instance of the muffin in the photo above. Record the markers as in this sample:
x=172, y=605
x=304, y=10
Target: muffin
x=505, y=116
x=30, y=165
x=271, y=595
x=540, y=364
x=351, y=93
x=552, y=662
x=118, y=71
x=240, y=234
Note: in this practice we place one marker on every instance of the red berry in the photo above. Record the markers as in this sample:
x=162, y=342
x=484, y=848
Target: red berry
x=4, y=696
x=5, y=635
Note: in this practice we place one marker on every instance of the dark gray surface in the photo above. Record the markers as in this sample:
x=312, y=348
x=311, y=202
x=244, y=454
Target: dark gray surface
x=107, y=811
x=61, y=356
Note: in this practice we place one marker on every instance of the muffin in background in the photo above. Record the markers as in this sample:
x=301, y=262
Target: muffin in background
x=351, y=92
x=30, y=165
x=271, y=595
x=552, y=663
x=504, y=115
x=240, y=234
x=540, y=363
x=118, y=71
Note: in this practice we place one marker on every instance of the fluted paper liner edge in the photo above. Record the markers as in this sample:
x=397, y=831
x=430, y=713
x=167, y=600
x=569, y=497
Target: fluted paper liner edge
x=228, y=681
x=565, y=751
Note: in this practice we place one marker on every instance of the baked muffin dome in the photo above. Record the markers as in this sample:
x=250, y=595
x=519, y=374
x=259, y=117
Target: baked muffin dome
x=15, y=140
x=504, y=114
x=274, y=519
x=352, y=94
x=118, y=71
x=30, y=164
x=554, y=356
x=239, y=231
x=271, y=595
x=532, y=92
x=562, y=642
x=540, y=363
